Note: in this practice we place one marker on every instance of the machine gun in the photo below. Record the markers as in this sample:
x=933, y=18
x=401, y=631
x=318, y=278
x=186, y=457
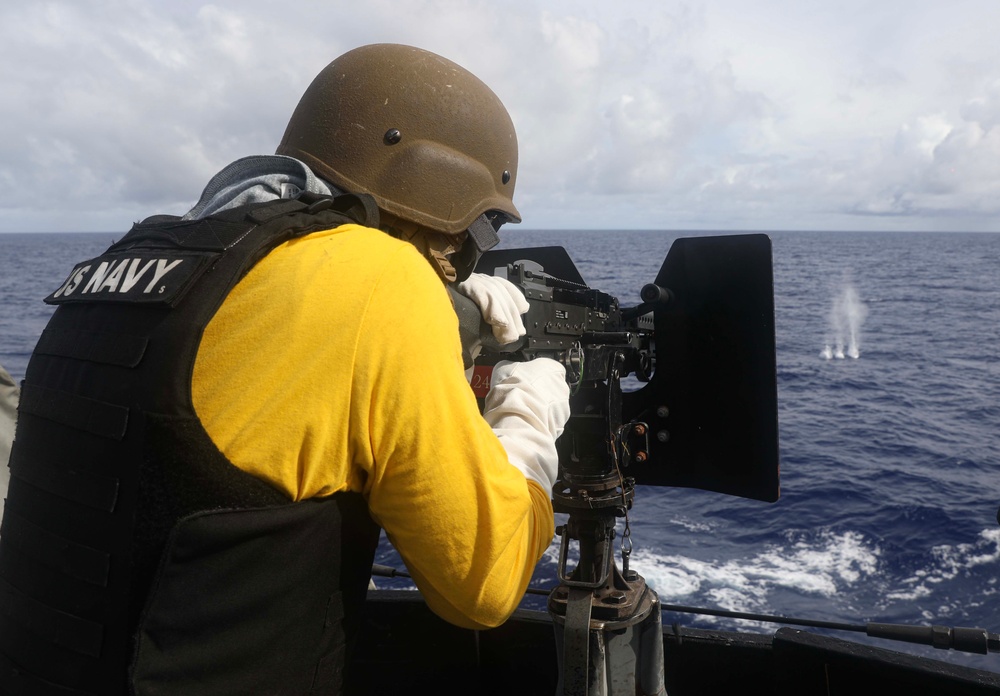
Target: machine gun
x=700, y=346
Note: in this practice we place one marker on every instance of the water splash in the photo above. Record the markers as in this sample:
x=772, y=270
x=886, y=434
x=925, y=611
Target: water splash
x=847, y=315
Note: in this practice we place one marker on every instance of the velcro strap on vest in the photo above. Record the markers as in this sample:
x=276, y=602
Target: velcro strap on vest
x=212, y=234
x=55, y=552
x=98, y=492
x=62, y=629
x=93, y=346
x=14, y=679
x=272, y=210
x=96, y=417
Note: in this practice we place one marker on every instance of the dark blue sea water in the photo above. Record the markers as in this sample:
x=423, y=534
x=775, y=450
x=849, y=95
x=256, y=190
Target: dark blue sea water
x=888, y=354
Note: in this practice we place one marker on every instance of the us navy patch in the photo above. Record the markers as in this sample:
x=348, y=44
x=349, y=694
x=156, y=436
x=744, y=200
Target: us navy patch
x=151, y=276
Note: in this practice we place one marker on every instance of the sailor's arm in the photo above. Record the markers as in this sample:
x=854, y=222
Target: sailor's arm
x=469, y=525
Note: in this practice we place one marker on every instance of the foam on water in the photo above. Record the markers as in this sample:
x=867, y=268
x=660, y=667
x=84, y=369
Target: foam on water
x=821, y=566
x=948, y=563
x=837, y=569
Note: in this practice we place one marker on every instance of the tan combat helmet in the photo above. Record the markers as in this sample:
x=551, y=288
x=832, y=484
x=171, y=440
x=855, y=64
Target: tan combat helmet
x=425, y=137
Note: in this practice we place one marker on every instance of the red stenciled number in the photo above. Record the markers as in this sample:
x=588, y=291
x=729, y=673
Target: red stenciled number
x=480, y=382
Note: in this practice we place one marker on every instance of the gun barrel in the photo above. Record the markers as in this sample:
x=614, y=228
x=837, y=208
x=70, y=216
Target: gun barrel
x=607, y=338
x=654, y=294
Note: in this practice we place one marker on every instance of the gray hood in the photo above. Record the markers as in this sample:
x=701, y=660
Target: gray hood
x=257, y=179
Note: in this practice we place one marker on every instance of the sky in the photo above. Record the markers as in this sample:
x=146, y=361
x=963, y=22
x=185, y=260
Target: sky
x=715, y=115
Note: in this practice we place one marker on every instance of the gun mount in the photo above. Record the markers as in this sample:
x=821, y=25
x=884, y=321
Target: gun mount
x=701, y=345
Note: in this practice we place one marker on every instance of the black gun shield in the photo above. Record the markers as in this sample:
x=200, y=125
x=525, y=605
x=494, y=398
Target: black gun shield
x=712, y=403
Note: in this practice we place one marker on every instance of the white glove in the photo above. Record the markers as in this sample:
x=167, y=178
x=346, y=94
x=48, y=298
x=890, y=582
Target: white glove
x=527, y=407
x=500, y=303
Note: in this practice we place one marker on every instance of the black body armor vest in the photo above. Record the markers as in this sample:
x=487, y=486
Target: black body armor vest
x=134, y=558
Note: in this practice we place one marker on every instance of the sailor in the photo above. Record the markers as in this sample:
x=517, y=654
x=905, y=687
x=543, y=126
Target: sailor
x=226, y=407
x=8, y=417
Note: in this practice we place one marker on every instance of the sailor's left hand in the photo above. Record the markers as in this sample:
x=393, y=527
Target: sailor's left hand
x=500, y=302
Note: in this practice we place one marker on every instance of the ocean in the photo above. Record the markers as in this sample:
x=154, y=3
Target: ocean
x=888, y=357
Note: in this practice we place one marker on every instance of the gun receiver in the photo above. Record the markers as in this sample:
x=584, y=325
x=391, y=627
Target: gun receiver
x=697, y=356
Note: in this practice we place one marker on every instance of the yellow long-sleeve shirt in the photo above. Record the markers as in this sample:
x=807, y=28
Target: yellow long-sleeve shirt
x=335, y=365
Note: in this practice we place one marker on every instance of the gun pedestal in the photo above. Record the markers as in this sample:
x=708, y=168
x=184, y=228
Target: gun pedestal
x=607, y=621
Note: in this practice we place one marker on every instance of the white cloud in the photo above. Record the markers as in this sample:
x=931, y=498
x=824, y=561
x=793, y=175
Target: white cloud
x=720, y=114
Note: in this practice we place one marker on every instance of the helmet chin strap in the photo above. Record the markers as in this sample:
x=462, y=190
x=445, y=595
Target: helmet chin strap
x=452, y=256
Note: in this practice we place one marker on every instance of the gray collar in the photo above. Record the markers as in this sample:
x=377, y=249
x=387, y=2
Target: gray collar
x=257, y=179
